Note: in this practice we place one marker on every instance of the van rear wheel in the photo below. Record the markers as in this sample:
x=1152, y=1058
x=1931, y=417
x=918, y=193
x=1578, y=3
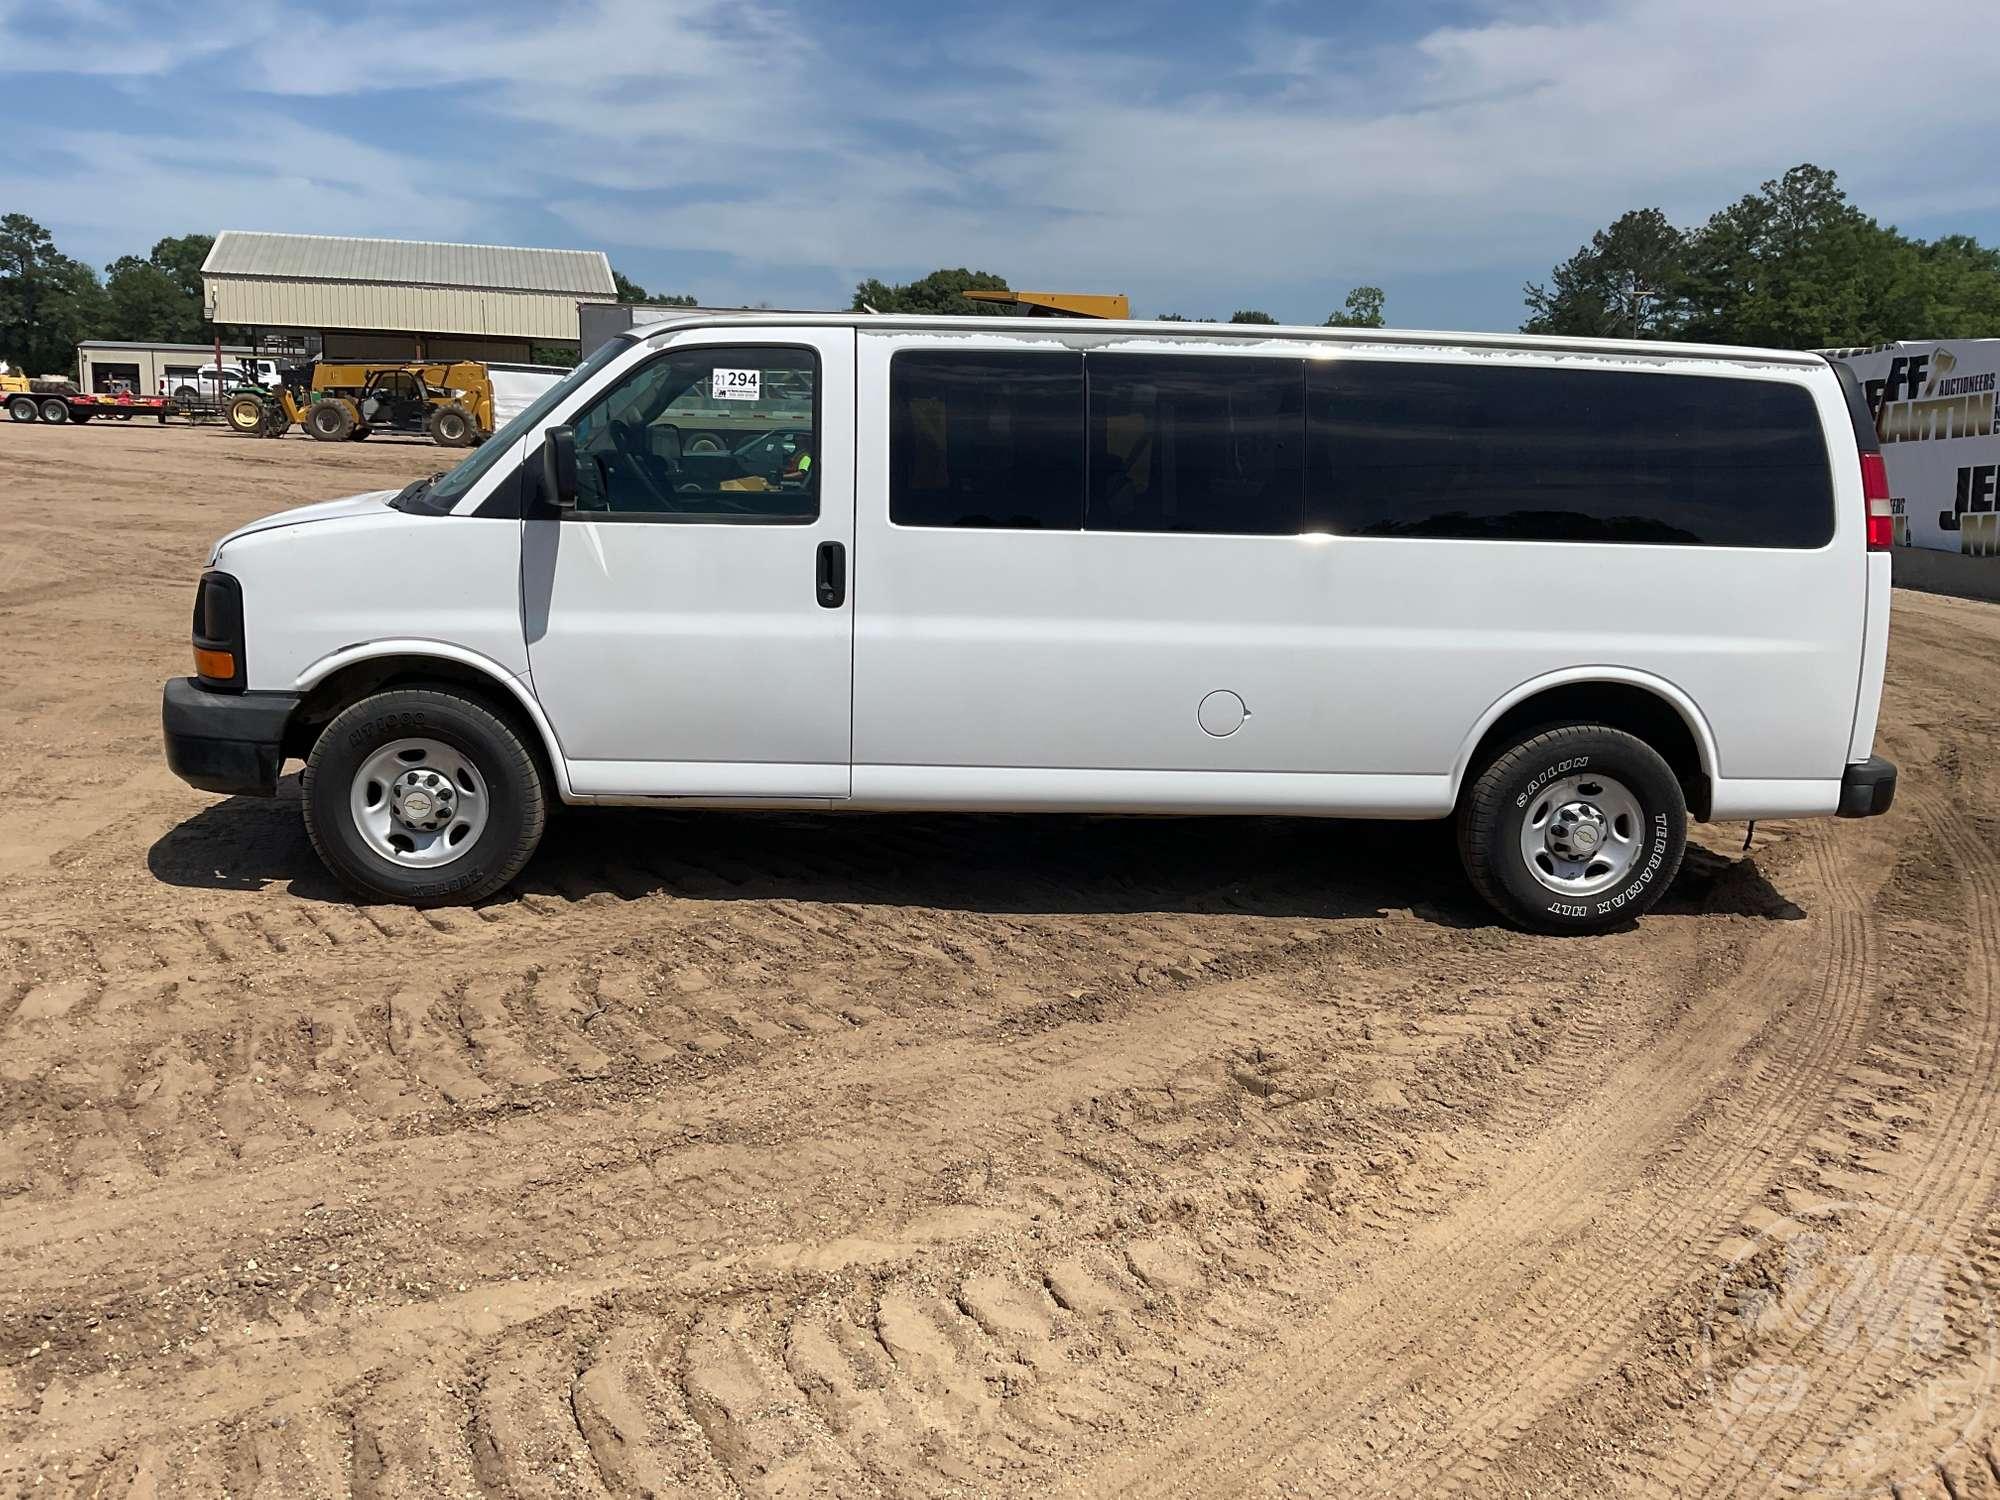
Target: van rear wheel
x=1576, y=829
x=423, y=797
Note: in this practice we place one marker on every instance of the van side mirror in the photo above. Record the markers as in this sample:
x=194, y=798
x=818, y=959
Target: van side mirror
x=559, y=467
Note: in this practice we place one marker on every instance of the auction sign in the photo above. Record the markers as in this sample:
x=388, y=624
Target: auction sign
x=1933, y=405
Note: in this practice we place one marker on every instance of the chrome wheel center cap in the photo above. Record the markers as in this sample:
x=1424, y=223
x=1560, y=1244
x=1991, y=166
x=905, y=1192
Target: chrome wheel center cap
x=423, y=799
x=1576, y=831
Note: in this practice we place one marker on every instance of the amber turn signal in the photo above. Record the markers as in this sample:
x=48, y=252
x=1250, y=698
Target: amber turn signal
x=219, y=665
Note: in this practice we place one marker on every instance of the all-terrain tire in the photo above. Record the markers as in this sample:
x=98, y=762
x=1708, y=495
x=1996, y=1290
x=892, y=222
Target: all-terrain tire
x=330, y=421
x=1513, y=795
x=451, y=426
x=514, y=820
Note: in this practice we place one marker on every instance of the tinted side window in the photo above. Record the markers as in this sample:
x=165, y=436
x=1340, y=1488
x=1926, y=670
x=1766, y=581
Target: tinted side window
x=986, y=438
x=722, y=434
x=1185, y=443
x=1427, y=450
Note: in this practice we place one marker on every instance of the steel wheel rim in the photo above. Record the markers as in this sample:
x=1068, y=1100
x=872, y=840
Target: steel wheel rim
x=1581, y=835
x=419, y=803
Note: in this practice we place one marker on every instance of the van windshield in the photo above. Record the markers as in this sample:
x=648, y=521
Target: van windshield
x=451, y=487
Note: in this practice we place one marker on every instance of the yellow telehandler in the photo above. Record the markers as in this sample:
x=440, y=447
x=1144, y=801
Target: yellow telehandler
x=452, y=402
x=1058, y=304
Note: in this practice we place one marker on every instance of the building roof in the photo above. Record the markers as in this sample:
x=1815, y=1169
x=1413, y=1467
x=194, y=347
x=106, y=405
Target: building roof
x=327, y=257
x=160, y=348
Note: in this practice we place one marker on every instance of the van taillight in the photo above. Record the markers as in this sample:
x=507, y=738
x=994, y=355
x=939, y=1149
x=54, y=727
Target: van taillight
x=1875, y=491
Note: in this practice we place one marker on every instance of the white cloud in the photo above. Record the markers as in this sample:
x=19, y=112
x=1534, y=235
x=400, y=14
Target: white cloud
x=118, y=191
x=1497, y=144
x=1069, y=154
x=104, y=38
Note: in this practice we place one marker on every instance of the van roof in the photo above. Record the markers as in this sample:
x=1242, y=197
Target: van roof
x=1088, y=330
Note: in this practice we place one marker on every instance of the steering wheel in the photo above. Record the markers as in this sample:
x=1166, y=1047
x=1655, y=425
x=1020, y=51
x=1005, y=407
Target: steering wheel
x=628, y=441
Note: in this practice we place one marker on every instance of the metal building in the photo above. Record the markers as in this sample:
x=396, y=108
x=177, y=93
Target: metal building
x=402, y=299
x=149, y=368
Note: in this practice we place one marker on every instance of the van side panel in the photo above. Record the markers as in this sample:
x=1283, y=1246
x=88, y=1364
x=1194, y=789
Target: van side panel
x=1368, y=658
x=1766, y=644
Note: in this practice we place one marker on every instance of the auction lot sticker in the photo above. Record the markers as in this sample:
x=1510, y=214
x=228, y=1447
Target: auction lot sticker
x=1848, y=1350
x=735, y=385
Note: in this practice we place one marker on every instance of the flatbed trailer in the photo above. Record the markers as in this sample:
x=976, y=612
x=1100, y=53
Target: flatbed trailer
x=77, y=406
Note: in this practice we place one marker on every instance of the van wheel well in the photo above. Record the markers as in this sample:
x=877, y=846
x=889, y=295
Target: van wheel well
x=1621, y=705
x=350, y=684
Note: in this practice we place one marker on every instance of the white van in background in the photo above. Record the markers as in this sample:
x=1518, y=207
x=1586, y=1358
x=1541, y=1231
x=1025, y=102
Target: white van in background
x=1566, y=592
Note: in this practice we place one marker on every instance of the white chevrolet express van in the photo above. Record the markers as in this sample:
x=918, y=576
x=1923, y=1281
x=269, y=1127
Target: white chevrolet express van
x=1566, y=592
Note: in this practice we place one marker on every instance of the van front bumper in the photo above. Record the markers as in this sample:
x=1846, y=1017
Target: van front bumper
x=1867, y=788
x=225, y=742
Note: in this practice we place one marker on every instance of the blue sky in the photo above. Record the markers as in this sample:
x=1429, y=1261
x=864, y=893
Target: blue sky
x=1199, y=157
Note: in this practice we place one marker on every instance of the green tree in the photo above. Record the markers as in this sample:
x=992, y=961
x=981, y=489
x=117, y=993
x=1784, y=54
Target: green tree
x=1628, y=283
x=160, y=298
x=1845, y=279
x=1250, y=315
x=182, y=257
x=1363, y=309
x=1957, y=289
x=630, y=291
x=1794, y=265
x=144, y=302
x=48, y=302
x=937, y=294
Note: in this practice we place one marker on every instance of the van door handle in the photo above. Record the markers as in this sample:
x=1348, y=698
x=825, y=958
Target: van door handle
x=830, y=577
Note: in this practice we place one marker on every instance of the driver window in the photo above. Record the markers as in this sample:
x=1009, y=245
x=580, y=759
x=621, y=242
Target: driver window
x=715, y=434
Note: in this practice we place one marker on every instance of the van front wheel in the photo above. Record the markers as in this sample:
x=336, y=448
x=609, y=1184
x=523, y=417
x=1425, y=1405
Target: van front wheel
x=423, y=797
x=1577, y=829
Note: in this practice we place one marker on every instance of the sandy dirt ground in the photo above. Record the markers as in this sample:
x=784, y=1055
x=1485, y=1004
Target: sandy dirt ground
x=784, y=1155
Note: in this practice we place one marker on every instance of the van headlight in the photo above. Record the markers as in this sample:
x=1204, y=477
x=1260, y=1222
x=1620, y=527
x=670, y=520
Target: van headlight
x=218, y=632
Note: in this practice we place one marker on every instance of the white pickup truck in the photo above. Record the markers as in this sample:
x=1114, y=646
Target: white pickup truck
x=211, y=382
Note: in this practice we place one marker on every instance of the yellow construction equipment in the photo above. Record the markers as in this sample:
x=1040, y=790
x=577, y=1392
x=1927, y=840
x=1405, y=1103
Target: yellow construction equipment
x=1059, y=304
x=453, y=402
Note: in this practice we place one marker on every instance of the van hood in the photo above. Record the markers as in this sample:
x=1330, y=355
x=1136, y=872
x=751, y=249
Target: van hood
x=325, y=510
